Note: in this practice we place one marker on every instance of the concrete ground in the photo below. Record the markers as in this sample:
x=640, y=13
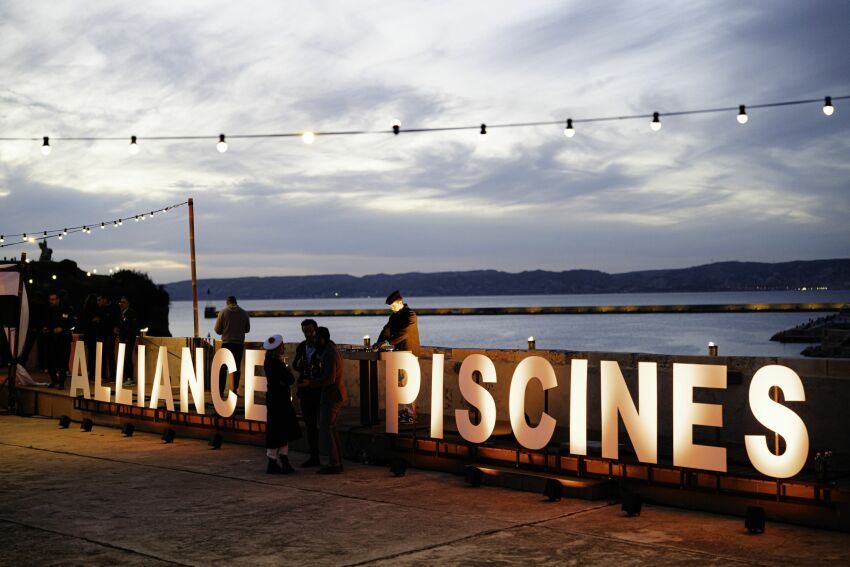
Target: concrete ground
x=73, y=498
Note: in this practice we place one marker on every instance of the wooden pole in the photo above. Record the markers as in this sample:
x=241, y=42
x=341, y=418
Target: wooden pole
x=194, y=273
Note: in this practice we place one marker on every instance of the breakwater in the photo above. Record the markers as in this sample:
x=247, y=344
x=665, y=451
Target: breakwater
x=555, y=310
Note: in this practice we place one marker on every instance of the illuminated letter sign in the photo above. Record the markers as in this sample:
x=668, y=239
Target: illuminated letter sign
x=478, y=397
x=223, y=357
x=400, y=364
x=533, y=367
x=642, y=426
x=192, y=379
x=686, y=414
x=780, y=419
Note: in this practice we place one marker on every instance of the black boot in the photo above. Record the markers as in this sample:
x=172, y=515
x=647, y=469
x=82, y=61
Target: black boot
x=273, y=467
x=285, y=467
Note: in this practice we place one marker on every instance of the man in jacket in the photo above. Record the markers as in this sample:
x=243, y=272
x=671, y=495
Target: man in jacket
x=402, y=329
x=128, y=328
x=232, y=324
x=106, y=327
x=306, y=363
x=334, y=395
x=60, y=320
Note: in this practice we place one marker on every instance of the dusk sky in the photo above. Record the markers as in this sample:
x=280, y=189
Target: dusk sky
x=616, y=197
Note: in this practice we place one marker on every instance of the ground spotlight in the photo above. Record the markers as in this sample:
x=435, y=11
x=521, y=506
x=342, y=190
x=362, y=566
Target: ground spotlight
x=474, y=476
x=398, y=466
x=553, y=490
x=64, y=422
x=632, y=504
x=754, y=520
x=128, y=429
x=168, y=435
x=87, y=425
x=216, y=440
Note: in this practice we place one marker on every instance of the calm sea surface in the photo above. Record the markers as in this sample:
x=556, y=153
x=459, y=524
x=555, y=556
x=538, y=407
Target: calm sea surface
x=735, y=333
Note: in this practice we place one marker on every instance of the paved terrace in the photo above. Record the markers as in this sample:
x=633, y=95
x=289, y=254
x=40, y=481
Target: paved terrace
x=71, y=498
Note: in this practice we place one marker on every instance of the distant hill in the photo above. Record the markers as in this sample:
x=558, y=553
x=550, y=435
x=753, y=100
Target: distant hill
x=720, y=276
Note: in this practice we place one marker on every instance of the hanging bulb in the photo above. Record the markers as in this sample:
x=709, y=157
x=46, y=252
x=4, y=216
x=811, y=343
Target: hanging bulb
x=115, y=224
x=828, y=109
x=396, y=124
x=45, y=234
x=2, y=240
x=94, y=271
x=656, y=122
x=308, y=137
x=569, y=131
x=102, y=226
x=137, y=218
x=483, y=129
x=221, y=146
x=65, y=231
x=45, y=146
x=120, y=222
x=24, y=237
x=133, y=148
x=151, y=214
x=61, y=237
x=85, y=230
x=742, y=114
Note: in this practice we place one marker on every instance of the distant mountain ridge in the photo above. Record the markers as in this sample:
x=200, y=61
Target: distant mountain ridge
x=719, y=276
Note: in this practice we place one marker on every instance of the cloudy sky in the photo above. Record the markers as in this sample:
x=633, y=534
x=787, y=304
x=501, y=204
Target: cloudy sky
x=616, y=197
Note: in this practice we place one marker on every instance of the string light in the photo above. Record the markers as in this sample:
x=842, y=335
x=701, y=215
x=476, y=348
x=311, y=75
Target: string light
x=85, y=229
x=656, y=122
x=115, y=224
x=308, y=137
x=742, y=114
x=569, y=131
x=133, y=148
x=221, y=146
x=483, y=129
x=828, y=109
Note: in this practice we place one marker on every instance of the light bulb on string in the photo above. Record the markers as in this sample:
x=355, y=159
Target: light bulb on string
x=133, y=148
x=24, y=237
x=120, y=222
x=45, y=234
x=2, y=240
x=64, y=231
x=151, y=214
x=137, y=218
x=45, y=146
x=60, y=237
x=115, y=224
x=308, y=137
x=656, y=122
x=396, y=125
x=569, y=131
x=102, y=226
x=742, y=114
x=221, y=146
x=828, y=109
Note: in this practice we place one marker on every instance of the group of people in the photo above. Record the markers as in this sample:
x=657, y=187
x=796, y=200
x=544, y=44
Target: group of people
x=320, y=384
x=100, y=322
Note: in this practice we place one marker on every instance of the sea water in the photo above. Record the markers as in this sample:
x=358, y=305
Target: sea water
x=741, y=334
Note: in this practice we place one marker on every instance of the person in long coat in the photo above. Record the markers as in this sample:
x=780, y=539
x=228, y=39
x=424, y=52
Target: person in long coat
x=281, y=422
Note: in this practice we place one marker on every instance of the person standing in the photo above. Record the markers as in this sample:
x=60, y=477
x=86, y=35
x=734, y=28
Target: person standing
x=128, y=328
x=106, y=327
x=232, y=324
x=281, y=422
x=60, y=321
x=402, y=329
x=334, y=395
x=306, y=363
x=87, y=326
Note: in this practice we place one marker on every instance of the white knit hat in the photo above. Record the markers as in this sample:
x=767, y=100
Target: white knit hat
x=273, y=342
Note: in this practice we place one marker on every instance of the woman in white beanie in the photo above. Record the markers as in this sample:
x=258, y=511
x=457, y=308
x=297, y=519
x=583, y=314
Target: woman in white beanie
x=281, y=422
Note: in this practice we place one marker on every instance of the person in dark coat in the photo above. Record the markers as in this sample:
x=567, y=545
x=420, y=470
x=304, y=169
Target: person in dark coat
x=87, y=326
x=281, y=422
x=106, y=327
x=60, y=321
x=128, y=328
x=402, y=329
x=306, y=363
x=334, y=395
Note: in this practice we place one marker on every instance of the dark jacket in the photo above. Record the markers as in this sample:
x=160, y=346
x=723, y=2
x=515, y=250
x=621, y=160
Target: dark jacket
x=107, y=320
x=331, y=377
x=128, y=326
x=61, y=317
x=281, y=422
x=402, y=330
